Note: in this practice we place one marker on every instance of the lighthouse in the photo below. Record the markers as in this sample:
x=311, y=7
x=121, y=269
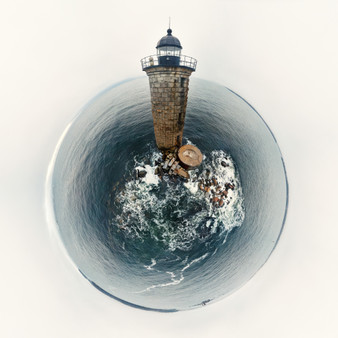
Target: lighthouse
x=169, y=71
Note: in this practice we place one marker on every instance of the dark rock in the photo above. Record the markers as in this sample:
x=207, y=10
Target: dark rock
x=142, y=173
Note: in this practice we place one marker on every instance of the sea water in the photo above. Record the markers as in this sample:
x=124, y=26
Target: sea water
x=160, y=243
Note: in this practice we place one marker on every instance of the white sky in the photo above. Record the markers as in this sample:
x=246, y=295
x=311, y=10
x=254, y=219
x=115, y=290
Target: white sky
x=281, y=56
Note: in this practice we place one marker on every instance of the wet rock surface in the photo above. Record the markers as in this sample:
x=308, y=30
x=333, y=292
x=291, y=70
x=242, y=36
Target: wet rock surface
x=170, y=165
x=140, y=173
x=217, y=192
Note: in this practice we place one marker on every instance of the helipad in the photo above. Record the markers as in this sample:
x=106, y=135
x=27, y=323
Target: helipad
x=190, y=156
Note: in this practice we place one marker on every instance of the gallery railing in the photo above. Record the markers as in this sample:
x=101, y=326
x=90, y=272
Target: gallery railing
x=154, y=61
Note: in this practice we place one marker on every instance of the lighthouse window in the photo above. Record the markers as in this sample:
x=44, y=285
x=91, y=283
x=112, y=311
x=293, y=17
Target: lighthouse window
x=169, y=50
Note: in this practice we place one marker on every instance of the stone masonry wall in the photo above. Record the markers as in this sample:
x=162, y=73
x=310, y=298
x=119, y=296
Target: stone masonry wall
x=169, y=95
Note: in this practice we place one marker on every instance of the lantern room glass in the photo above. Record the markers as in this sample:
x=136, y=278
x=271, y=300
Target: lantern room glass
x=168, y=50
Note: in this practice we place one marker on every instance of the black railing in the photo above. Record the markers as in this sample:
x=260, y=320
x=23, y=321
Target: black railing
x=154, y=61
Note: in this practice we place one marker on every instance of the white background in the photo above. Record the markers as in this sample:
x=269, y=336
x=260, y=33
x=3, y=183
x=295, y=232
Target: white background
x=281, y=56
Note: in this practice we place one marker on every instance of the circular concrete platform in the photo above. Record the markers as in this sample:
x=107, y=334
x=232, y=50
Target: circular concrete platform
x=190, y=156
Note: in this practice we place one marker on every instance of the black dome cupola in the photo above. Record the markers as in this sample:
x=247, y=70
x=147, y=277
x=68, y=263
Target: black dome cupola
x=169, y=41
x=169, y=50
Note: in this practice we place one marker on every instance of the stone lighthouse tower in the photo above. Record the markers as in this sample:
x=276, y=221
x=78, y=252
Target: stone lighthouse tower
x=169, y=73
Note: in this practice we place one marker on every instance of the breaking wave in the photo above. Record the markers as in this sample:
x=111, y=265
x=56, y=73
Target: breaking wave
x=179, y=215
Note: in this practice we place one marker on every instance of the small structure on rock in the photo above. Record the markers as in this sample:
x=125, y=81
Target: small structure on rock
x=190, y=156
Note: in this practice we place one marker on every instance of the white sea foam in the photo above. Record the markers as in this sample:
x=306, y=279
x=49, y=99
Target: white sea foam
x=150, y=177
x=174, y=277
x=145, y=206
x=153, y=263
x=195, y=261
x=172, y=282
x=191, y=186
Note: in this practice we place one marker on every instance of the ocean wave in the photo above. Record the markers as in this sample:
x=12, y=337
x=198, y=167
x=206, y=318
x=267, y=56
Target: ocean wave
x=179, y=213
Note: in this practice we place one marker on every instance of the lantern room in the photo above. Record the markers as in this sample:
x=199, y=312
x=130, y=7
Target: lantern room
x=169, y=54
